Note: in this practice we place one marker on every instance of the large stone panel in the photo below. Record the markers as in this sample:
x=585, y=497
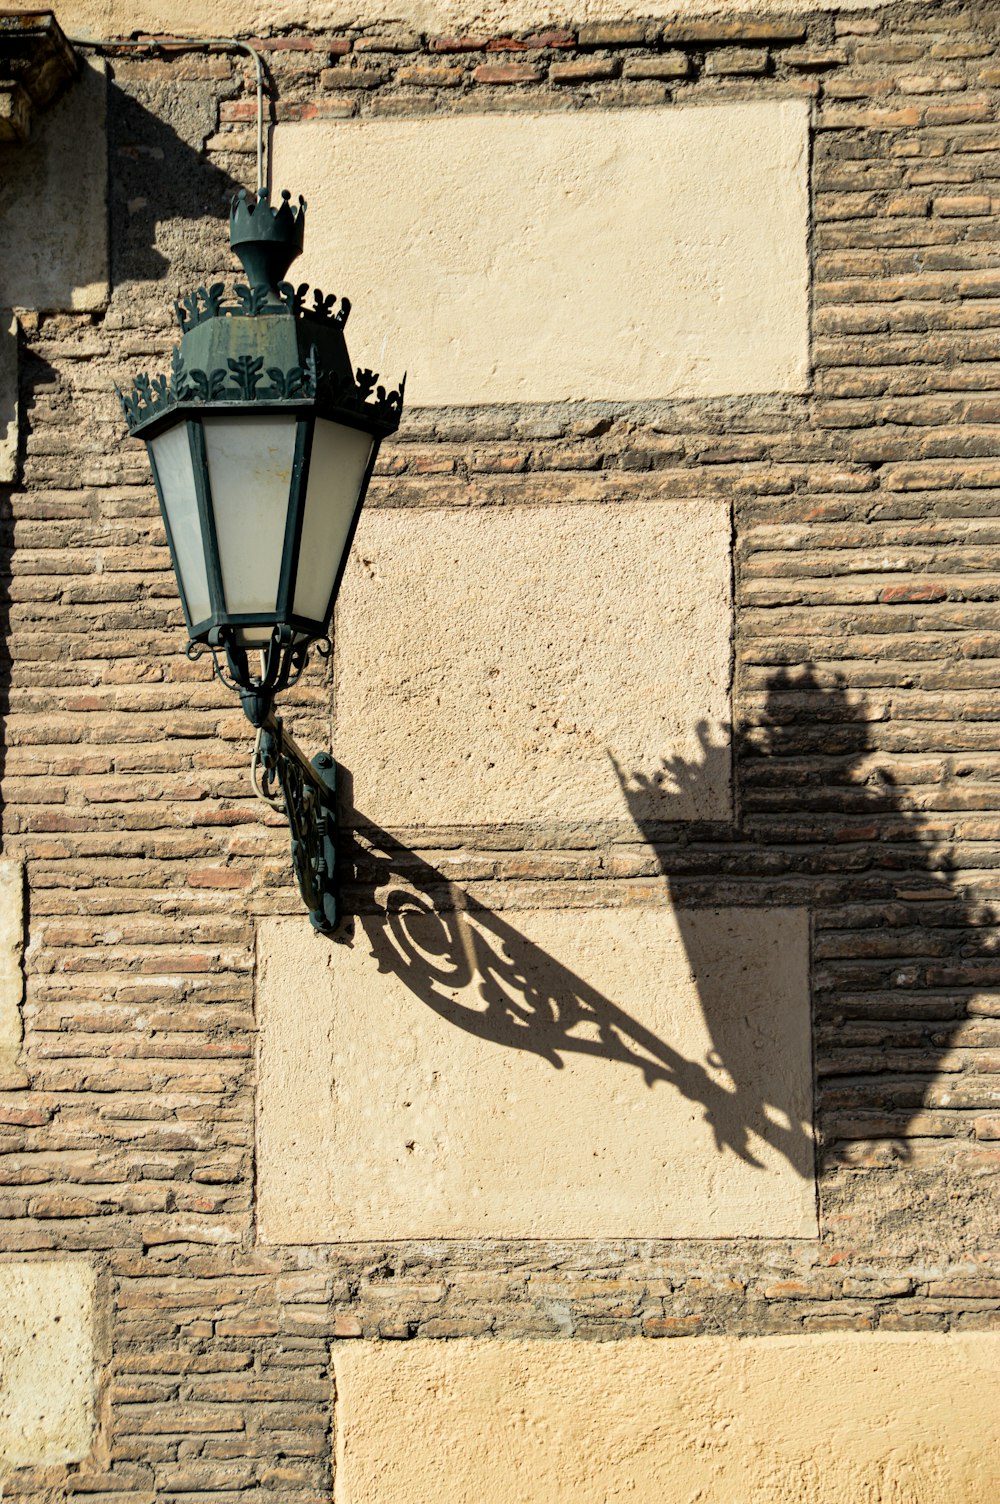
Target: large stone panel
x=9, y=412
x=882, y=1419
x=11, y=960
x=622, y=254
x=536, y=1075
x=102, y=18
x=492, y=664
x=46, y=1362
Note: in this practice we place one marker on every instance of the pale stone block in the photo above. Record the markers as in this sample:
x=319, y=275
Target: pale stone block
x=47, y=1372
x=8, y=397
x=620, y=254
x=491, y=664
x=776, y=1420
x=11, y=958
x=548, y=1074
x=102, y=18
x=54, y=224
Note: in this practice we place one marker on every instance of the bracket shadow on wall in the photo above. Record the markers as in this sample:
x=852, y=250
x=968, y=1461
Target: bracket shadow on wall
x=262, y=440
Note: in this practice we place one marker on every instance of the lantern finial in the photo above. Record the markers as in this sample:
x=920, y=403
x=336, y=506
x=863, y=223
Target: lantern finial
x=266, y=240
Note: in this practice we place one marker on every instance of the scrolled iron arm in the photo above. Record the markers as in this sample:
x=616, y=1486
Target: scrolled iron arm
x=301, y=790
x=308, y=803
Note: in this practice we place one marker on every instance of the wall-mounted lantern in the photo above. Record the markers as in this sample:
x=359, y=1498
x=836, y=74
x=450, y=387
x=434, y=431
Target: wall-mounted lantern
x=262, y=440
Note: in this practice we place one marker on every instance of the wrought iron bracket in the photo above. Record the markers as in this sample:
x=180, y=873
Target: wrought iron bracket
x=307, y=800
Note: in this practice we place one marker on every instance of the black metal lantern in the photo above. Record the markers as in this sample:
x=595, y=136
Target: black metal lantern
x=262, y=441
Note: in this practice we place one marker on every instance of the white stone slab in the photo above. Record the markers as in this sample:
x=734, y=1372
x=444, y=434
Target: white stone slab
x=101, y=18
x=611, y=254
x=11, y=959
x=550, y=1074
x=490, y=664
x=879, y=1418
x=54, y=216
x=8, y=397
x=46, y=1362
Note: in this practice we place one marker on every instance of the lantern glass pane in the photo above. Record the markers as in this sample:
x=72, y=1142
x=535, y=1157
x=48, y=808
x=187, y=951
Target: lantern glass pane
x=249, y=472
x=337, y=468
x=170, y=455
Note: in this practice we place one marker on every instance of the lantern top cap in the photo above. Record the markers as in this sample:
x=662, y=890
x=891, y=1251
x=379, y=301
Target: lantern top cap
x=265, y=239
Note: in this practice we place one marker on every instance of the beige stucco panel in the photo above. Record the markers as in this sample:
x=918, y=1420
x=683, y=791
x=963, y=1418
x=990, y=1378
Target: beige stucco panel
x=617, y=254
x=47, y=1372
x=8, y=397
x=105, y=17
x=11, y=959
x=491, y=664
x=536, y=1075
x=855, y=1419
x=54, y=214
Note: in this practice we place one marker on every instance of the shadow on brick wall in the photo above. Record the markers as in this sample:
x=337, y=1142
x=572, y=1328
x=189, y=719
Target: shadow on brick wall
x=162, y=185
x=521, y=997
x=822, y=826
x=897, y=948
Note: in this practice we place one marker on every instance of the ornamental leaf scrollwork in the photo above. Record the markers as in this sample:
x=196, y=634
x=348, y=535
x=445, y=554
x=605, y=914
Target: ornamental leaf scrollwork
x=208, y=385
x=203, y=303
x=179, y=385
x=246, y=371
x=246, y=380
x=193, y=308
x=287, y=383
x=129, y=406
x=252, y=299
x=310, y=384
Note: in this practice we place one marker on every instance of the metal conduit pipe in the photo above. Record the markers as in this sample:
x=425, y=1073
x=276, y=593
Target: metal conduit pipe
x=159, y=44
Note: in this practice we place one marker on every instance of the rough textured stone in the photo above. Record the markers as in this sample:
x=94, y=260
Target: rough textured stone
x=11, y=953
x=824, y=1419
x=494, y=665
x=538, y=1076
x=54, y=226
x=47, y=1378
x=563, y=249
x=99, y=17
x=9, y=414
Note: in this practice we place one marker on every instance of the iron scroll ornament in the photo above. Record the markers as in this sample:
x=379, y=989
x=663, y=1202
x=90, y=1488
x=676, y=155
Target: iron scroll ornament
x=307, y=801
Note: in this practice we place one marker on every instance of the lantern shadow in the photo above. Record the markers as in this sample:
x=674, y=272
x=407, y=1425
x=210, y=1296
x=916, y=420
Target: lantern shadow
x=822, y=823
x=477, y=971
x=159, y=175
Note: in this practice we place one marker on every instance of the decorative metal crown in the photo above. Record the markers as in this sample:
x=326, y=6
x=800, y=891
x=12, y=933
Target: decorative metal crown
x=270, y=345
x=243, y=380
x=266, y=240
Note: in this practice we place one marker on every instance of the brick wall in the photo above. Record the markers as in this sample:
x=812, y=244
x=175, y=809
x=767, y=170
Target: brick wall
x=866, y=739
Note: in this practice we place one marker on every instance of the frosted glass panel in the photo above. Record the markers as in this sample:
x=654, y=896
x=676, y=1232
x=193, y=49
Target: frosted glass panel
x=336, y=470
x=250, y=470
x=170, y=454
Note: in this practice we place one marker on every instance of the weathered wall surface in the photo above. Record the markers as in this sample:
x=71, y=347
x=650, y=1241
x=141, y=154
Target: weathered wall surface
x=532, y=668
x=493, y=1121
x=48, y=1377
x=779, y=1420
x=858, y=782
x=228, y=18
x=54, y=228
x=541, y=278
x=8, y=397
x=11, y=962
